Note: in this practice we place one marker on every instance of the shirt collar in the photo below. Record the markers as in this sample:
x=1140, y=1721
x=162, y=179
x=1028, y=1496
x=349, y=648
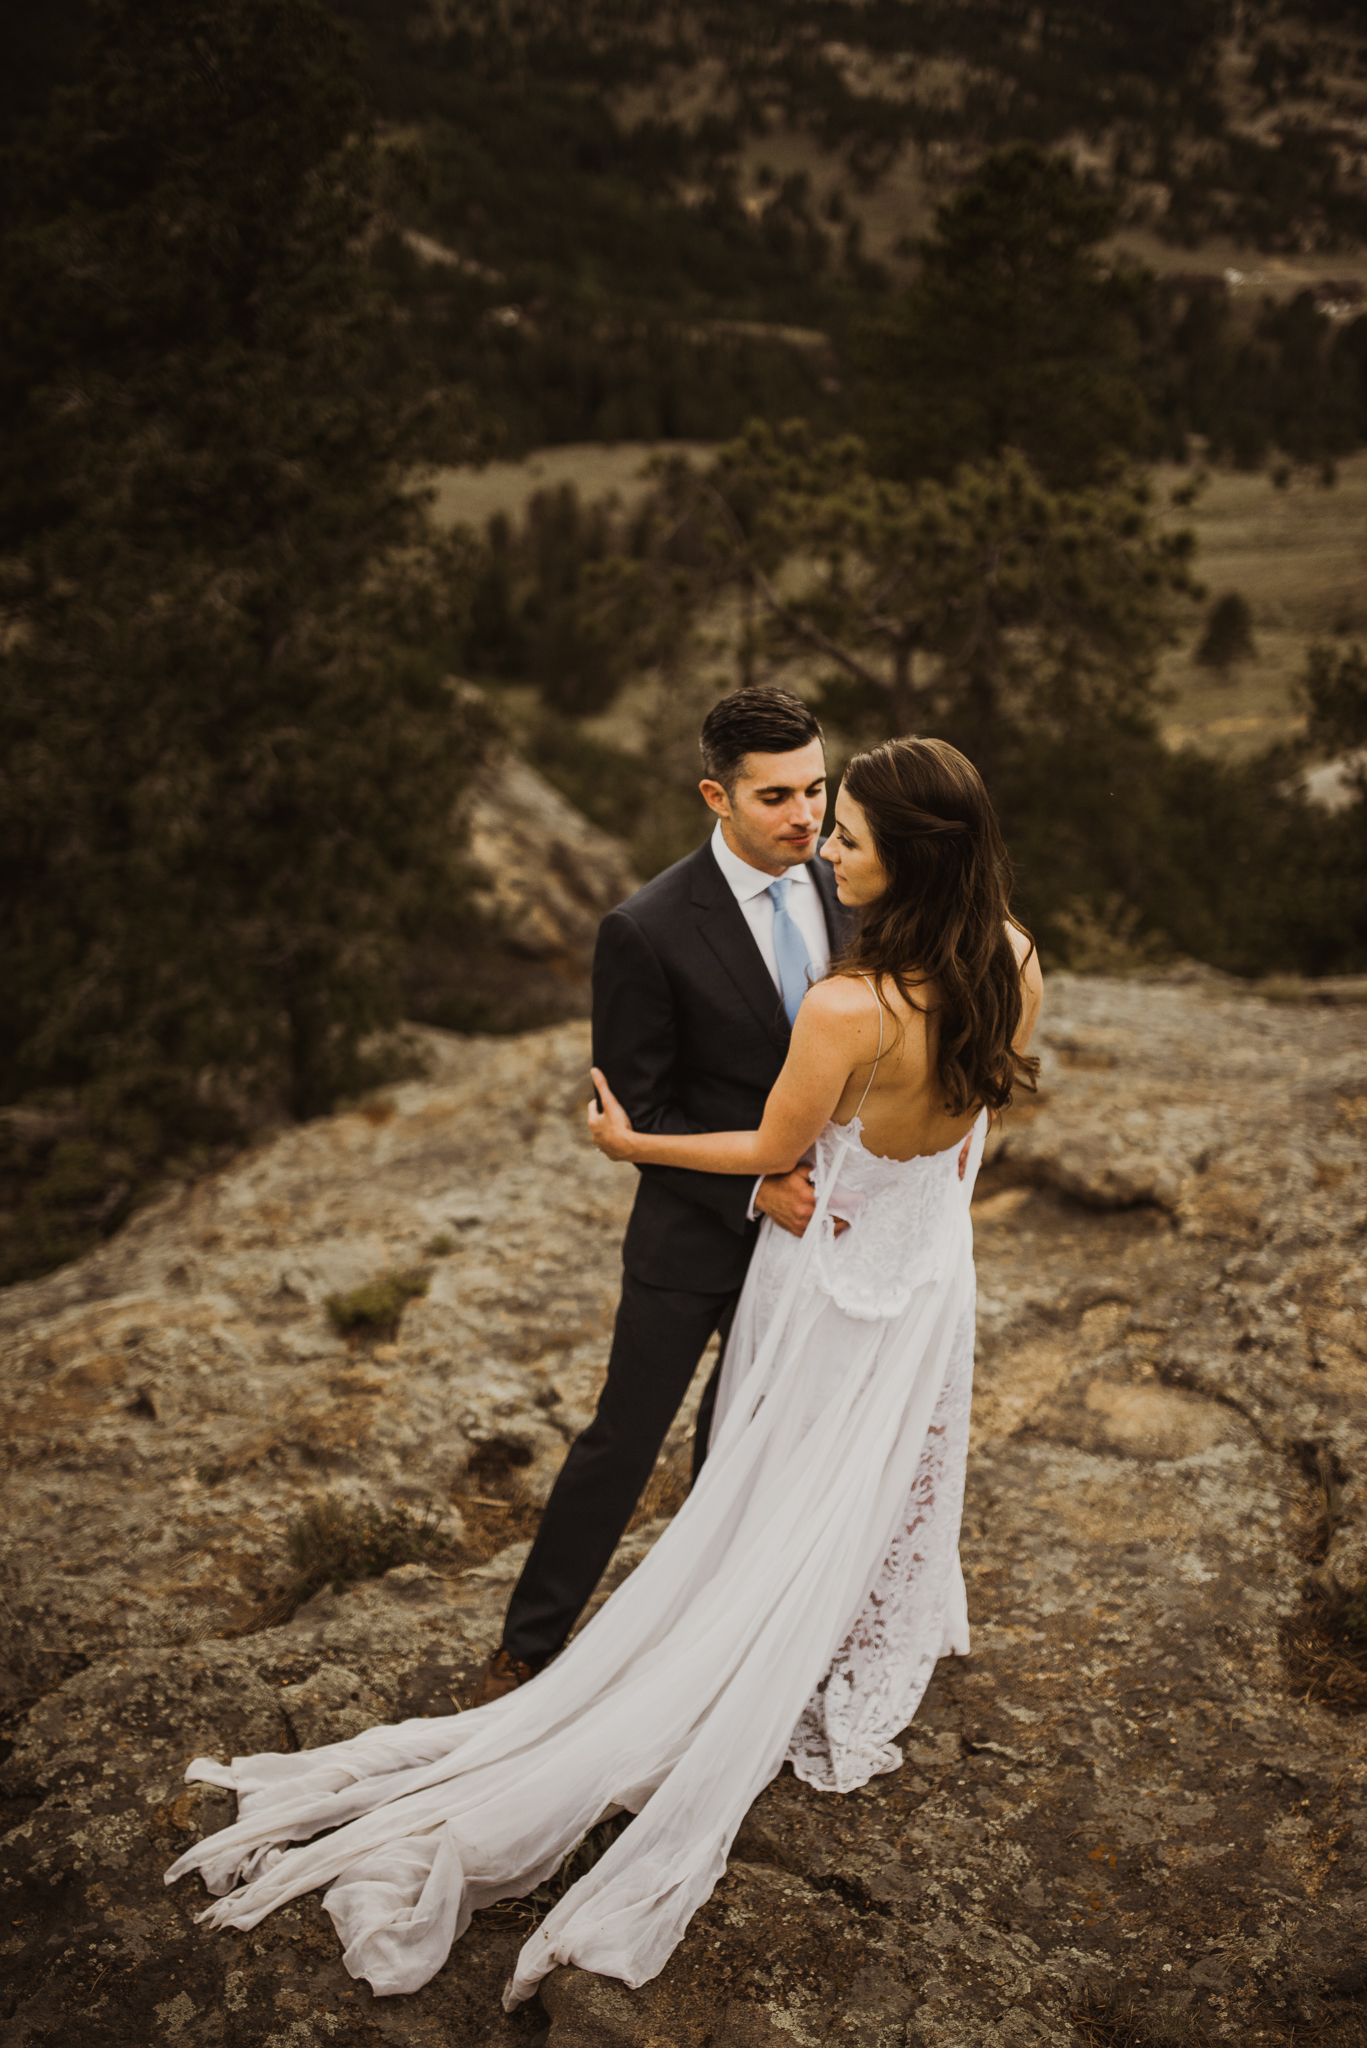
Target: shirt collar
x=745, y=881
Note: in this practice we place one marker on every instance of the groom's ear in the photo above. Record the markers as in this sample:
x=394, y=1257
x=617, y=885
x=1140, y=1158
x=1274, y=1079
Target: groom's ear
x=715, y=797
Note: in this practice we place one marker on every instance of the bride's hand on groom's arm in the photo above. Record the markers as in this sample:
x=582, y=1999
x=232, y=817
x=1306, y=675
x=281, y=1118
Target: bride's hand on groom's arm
x=789, y=1198
x=827, y=1046
x=612, y=1131
x=609, y=1125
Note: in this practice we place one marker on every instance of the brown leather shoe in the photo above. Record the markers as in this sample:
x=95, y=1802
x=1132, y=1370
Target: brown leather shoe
x=504, y=1673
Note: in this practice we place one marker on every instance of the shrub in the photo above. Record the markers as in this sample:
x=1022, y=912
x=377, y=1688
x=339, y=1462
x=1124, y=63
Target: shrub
x=334, y=1540
x=374, y=1309
x=1106, y=938
x=1229, y=633
x=1334, y=694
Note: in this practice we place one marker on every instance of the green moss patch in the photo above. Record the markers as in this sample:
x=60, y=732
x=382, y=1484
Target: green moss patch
x=374, y=1309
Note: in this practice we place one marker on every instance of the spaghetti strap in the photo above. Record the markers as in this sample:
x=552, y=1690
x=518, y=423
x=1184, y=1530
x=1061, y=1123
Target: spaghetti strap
x=879, y=1054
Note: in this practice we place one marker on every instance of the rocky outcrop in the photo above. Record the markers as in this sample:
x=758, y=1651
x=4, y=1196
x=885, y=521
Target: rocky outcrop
x=1127, y=1807
x=549, y=874
x=177, y=1395
x=543, y=877
x=1337, y=784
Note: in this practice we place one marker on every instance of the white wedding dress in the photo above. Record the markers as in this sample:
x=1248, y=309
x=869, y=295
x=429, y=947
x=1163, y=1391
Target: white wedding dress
x=794, y=1608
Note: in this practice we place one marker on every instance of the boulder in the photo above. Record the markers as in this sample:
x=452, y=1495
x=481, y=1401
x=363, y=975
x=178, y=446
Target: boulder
x=548, y=874
x=544, y=876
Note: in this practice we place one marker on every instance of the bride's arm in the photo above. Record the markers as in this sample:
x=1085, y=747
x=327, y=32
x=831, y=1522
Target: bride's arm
x=836, y=1031
x=1032, y=986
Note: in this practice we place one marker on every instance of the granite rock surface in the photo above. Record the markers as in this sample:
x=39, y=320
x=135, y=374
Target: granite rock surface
x=1126, y=1817
x=548, y=872
x=542, y=876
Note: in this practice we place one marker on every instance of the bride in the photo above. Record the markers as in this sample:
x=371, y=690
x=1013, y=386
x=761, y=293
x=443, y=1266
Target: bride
x=795, y=1607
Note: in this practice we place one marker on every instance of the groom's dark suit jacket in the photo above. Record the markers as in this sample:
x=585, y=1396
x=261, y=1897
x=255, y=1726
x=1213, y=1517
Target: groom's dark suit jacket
x=691, y=1033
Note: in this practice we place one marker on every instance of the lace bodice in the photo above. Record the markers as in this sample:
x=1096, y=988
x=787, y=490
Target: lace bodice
x=906, y=1217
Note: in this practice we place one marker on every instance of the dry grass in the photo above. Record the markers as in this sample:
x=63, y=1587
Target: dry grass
x=471, y=496
x=526, y=1913
x=1299, y=556
x=666, y=1490
x=333, y=1542
x=1120, y=2020
x=491, y=1525
x=1325, y=1650
x=1260, y=276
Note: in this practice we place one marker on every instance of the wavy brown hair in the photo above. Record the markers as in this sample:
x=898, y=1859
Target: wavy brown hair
x=942, y=918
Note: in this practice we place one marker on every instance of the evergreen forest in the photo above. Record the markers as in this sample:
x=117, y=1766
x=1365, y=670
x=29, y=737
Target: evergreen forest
x=266, y=264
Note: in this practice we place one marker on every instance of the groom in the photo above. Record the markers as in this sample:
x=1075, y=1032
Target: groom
x=696, y=983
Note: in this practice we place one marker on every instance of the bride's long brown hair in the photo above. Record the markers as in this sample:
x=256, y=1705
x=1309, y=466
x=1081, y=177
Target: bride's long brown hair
x=942, y=918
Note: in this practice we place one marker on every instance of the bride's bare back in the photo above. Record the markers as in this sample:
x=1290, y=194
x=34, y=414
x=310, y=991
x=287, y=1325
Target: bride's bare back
x=903, y=1114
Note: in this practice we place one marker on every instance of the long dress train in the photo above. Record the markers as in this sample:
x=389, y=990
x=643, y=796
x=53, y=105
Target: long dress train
x=795, y=1607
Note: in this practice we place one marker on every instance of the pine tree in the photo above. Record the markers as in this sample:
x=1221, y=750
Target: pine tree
x=1021, y=623
x=1334, y=691
x=1016, y=334
x=980, y=609
x=1334, y=694
x=1229, y=633
x=229, y=757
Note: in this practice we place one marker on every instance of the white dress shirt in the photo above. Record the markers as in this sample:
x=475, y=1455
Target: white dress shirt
x=750, y=887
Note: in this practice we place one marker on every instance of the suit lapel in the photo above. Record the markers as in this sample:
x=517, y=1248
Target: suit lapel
x=721, y=921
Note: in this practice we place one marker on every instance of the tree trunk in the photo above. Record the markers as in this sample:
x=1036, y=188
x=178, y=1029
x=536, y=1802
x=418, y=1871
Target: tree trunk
x=902, y=691
x=983, y=723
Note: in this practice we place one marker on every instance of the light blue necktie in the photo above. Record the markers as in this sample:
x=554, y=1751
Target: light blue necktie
x=790, y=950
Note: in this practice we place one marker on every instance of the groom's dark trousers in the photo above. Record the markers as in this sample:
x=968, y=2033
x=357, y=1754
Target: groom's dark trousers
x=690, y=1030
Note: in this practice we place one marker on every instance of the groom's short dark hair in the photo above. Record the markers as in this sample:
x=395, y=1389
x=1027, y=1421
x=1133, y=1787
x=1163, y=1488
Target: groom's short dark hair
x=755, y=720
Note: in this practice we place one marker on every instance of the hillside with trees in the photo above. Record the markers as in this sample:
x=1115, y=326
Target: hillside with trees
x=938, y=284
x=632, y=196
x=224, y=618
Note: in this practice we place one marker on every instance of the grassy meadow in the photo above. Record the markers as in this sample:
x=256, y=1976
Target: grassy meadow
x=596, y=469
x=1296, y=553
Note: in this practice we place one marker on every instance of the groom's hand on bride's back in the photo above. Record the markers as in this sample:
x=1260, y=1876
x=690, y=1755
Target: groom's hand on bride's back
x=789, y=1198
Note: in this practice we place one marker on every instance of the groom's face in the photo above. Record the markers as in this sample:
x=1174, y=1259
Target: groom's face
x=773, y=815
